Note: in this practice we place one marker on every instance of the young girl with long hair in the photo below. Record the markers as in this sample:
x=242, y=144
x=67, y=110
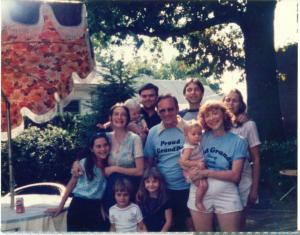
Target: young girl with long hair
x=84, y=213
x=153, y=201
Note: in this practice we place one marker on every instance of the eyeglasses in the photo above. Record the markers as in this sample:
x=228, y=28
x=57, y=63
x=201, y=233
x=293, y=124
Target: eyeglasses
x=163, y=111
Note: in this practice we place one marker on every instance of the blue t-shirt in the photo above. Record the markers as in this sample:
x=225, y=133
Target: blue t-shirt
x=219, y=152
x=93, y=189
x=164, y=146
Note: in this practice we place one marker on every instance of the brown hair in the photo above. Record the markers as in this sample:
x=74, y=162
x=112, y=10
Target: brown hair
x=242, y=107
x=143, y=197
x=123, y=185
x=195, y=81
x=228, y=116
x=122, y=105
x=167, y=96
x=148, y=86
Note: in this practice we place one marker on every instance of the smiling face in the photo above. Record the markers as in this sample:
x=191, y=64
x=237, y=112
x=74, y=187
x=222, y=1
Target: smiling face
x=100, y=148
x=148, y=98
x=122, y=198
x=232, y=101
x=214, y=119
x=119, y=118
x=167, y=111
x=193, y=94
x=152, y=186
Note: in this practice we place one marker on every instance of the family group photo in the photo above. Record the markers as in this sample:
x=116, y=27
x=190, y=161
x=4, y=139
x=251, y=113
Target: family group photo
x=149, y=116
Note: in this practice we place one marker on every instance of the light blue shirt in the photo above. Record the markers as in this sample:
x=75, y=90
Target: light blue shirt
x=164, y=145
x=93, y=189
x=219, y=152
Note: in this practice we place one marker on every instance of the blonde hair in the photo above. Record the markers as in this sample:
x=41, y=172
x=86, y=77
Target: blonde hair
x=192, y=124
x=228, y=116
x=132, y=104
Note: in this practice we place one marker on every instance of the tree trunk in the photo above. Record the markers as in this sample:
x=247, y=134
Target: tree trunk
x=262, y=84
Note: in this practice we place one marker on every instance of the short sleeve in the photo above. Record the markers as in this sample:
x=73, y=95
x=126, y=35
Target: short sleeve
x=167, y=205
x=82, y=163
x=112, y=218
x=149, y=148
x=138, y=146
x=252, y=135
x=188, y=146
x=139, y=216
x=241, y=149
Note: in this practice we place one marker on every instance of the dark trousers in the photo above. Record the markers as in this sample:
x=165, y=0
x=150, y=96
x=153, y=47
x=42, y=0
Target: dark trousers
x=178, y=201
x=85, y=215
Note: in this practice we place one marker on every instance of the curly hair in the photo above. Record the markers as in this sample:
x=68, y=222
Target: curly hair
x=210, y=105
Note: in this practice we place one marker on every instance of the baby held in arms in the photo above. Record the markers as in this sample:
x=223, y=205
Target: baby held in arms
x=192, y=158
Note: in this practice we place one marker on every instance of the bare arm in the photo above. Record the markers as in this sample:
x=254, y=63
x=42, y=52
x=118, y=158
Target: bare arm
x=233, y=175
x=112, y=228
x=242, y=118
x=76, y=169
x=133, y=127
x=70, y=186
x=168, y=218
x=144, y=124
x=184, y=159
x=141, y=227
x=103, y=126
x=255, y=157
x=135, y=171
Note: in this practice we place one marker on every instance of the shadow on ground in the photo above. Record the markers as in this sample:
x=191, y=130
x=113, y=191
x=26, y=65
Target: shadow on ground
x=260, y=220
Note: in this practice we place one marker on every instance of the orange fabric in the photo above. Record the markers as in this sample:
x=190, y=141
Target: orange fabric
x=37, y=61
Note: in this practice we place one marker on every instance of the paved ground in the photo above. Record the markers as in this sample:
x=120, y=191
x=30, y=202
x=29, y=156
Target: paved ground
x=272, y=220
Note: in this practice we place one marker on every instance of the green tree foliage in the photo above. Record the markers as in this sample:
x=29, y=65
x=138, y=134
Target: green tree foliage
x=272, y=184
x=117, y=87
x=39, y=155
x=194, y=21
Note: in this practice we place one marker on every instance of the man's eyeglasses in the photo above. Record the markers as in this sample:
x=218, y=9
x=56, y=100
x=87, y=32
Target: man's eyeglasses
x=163, y=111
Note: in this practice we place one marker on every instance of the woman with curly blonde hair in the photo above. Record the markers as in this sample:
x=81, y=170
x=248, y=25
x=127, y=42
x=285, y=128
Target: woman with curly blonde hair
x=224, y=155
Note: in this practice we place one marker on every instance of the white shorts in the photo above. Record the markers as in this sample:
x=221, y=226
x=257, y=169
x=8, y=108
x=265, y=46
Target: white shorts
x=245, y=183
x=221, y=197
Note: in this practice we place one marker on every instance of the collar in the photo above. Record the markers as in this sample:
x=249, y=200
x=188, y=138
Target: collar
x=192, y=110
x=180, y=125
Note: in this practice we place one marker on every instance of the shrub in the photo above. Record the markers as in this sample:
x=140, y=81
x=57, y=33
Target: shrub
x=39, y=155
x=275, y=157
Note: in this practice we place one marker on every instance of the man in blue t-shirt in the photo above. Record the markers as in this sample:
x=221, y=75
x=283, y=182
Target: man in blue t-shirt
x=162, y=147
